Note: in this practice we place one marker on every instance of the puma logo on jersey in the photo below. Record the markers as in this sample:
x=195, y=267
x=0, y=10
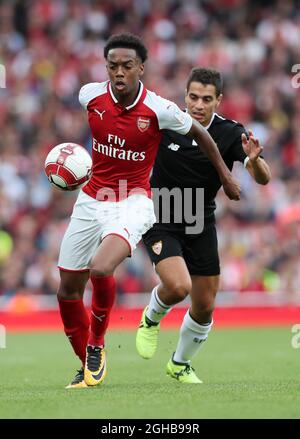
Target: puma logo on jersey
x=100, y=113
x=174, y=146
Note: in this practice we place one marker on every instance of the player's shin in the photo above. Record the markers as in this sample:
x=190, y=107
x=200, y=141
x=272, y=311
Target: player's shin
x=156, y=309
x=104, y=293
x=76, y=325
x=192, y=337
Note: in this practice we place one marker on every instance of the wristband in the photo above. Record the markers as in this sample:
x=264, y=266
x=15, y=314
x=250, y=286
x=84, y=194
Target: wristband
x=246, y=161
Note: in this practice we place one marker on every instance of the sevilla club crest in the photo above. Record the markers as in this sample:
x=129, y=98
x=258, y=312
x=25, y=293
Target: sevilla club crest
x=157, y=247
x=143, y=123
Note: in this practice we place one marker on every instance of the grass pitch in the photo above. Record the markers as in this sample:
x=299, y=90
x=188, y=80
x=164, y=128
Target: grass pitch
x=247, y=373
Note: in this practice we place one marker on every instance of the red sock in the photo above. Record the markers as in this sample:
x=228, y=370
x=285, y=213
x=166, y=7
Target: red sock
x=76, y=325
x=104, y=293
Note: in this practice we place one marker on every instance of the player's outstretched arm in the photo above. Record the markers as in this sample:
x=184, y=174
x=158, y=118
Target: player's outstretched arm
x=256, y=166
x=206, y=143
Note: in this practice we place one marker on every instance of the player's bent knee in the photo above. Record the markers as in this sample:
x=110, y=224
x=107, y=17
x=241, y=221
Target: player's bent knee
x=71, y=288
x=69, y=292
x=179, y=291
x=72, y=285
x=102, y=271
x=101, y=268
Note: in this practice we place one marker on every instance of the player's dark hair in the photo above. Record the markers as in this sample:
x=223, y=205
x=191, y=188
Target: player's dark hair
x=206, y=76
x=127, y=41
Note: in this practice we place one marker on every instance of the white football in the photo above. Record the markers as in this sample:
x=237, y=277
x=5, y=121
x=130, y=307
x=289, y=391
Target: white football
x=68, y=166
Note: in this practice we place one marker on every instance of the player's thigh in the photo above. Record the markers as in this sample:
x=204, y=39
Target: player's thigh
x=110, y=253
x=165, y=252
x=201, y=252
x=174, y=276
x=129, y=219
x=79, y=244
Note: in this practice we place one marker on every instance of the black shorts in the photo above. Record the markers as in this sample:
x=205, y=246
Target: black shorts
x=200, y=252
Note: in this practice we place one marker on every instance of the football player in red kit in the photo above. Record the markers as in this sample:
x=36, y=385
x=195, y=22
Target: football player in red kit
x=115, y=208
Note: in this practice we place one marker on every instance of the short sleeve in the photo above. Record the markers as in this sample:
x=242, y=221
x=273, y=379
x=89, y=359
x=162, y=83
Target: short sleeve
x=91, y=91
x=169, y=115
x=172, y=118
x=236, y=150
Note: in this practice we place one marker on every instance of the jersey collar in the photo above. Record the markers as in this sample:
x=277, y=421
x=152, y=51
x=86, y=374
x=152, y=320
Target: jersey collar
x=141, y=89
x=211, y=121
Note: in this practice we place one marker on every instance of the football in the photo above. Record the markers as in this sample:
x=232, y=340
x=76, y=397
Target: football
x=68, y=166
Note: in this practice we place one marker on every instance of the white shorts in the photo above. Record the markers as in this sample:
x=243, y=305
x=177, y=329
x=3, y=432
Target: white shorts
x=92, y=220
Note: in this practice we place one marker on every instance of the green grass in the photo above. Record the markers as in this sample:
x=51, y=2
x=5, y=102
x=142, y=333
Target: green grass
x=247, y=373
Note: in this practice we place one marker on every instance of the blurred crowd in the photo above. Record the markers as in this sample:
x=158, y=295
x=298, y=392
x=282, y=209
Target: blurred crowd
x=48, y=49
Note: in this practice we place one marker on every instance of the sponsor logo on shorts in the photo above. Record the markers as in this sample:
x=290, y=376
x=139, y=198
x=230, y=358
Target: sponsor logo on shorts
x=157, y=247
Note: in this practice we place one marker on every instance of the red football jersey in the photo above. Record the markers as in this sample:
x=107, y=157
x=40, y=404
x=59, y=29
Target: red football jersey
x=125, y=140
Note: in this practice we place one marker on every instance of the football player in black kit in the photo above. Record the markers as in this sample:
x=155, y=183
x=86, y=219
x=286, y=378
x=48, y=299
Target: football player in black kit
x=188, y=263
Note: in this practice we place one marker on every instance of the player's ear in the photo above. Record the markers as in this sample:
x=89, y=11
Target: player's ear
x=219, y=99
x=185, y=95
x=142, y=66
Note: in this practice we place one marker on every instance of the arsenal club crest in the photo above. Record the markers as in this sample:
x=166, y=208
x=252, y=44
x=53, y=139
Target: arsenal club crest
x=157, y=247
x=143, y=123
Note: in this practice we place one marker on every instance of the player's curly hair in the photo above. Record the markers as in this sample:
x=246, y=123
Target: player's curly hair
x=127, y=41
x=206, y=76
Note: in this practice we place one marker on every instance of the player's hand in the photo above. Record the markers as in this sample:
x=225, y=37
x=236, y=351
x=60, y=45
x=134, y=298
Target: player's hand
x=231, y=187
x=251, y=146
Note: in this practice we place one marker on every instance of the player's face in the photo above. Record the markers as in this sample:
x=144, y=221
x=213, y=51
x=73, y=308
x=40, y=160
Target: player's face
x=124, y=69
x=201, y=101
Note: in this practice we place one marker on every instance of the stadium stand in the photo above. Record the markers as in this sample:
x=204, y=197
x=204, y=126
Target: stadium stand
x=50, y=48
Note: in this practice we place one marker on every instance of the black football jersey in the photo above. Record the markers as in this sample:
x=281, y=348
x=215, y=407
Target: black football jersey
x=180, y=164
